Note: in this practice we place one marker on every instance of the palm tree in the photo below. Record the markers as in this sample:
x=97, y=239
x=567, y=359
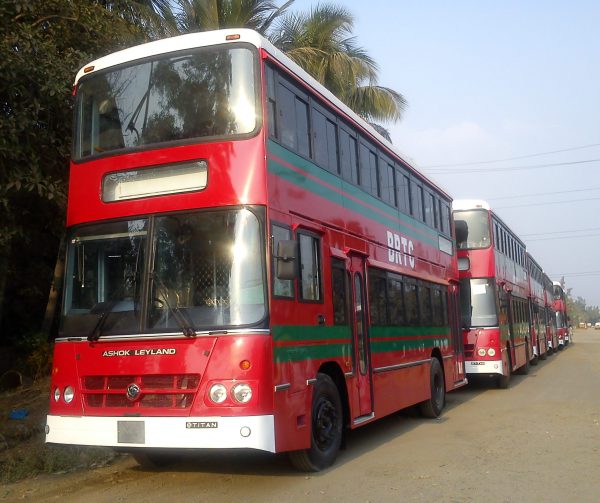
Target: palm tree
x=321, y=42
x=203, y=15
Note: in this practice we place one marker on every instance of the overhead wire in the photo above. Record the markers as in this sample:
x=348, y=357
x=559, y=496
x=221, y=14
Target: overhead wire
x=473, y=163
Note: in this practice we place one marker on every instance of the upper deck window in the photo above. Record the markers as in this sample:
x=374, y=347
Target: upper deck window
x=210, y=92
x=472, y=229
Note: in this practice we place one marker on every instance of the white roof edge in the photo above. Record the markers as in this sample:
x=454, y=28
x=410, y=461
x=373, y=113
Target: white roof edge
x=207, y=38
x=469, y=204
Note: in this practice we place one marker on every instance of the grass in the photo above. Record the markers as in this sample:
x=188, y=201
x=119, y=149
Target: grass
x=23, y=453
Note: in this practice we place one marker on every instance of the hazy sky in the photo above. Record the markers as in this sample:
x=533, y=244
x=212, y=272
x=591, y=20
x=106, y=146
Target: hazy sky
x=493, y=80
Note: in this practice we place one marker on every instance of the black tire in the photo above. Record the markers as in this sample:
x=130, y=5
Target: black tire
x=433, y=407
x=327, y=420
x=154, y=459
x=503, y=381
x=544, y=355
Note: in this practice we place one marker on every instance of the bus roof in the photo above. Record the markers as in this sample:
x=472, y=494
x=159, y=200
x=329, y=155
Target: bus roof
x=470, y=204
x=219, y=37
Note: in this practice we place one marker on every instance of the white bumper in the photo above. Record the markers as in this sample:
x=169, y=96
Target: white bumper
x=253, y=432
x=483, y=367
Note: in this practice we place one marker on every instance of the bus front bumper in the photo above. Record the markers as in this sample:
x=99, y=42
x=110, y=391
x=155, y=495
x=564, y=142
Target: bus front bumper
x=251, y=432
x=484, y=367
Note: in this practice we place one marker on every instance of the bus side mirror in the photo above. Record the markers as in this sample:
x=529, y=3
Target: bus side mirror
x=286, y=259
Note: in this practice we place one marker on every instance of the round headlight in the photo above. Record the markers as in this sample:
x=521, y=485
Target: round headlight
x=218, y=393
x=56, y=394
x=492, y=352
x=68, y=394
x=481, y=351
x=241, y=393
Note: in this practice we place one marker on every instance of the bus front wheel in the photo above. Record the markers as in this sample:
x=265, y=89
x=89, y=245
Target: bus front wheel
x=504, y=380
x=326, y=428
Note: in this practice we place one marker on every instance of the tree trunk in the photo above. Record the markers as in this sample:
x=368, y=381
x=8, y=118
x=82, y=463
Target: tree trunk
x=55, y=289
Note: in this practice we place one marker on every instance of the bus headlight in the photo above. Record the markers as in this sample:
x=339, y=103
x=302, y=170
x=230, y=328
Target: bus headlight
x=218, y=393
x=481, y=351
x=56, y=394
x=491, y=352
x=241, y=393
x=68, y=394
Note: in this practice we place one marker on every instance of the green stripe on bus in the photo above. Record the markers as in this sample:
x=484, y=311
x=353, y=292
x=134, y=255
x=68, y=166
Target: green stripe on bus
x=389, y=220
x=307, y=342
x=408, y=338
x=307, y=352
x=293, y=333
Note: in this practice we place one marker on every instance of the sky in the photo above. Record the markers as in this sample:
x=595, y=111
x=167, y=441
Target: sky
x=503, y=105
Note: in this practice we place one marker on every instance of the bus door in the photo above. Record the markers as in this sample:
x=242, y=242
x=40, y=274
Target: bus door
x=360, y=330
x=456, y=334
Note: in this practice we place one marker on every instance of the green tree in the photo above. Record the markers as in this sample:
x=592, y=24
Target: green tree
x=42, y=45
x=321, y=42
x=204, y=15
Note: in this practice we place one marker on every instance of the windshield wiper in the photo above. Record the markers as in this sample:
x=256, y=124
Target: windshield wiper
x=181, y=319
x=97, y=330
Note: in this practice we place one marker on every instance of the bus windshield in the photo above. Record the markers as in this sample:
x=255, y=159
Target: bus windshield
x=472, y=229
x=206, y=272
x=210, y=92
x=478, y=303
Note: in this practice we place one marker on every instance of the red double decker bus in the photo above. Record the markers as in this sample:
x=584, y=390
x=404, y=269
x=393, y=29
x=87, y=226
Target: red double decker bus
x=494, y=291
x=537, y=310
x=551, y=332
x=562, y=320
x=249, y=264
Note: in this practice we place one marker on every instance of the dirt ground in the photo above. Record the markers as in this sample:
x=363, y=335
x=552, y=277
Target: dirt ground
x=537, y=441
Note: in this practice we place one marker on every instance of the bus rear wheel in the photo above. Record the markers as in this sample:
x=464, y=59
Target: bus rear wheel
x=326, y=428
x=433, y=407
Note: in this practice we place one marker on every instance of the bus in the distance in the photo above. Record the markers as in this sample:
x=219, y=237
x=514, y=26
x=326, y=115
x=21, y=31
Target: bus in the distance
x=551, y=331
x=494, y=291
x=537, y=310
x=249, y=264
x=562, y=320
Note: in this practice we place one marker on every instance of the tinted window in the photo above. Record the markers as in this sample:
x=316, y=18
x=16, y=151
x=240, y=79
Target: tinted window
x=377, y=299
x=281, y=287
x=416, y=192
x=386, y=183
x=349, y=155
x=325, y=141
x=403, y=191
x=339, y=292
x=410, y=303
x=368, y=170
x=310, y=272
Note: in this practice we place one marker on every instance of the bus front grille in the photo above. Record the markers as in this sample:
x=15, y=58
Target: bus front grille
x=155, y=391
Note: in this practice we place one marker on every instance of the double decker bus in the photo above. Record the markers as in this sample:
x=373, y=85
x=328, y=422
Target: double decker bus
x=537, y=310
x=562, y=320
x=494, y=290
x=551, y=331
x=249, y=264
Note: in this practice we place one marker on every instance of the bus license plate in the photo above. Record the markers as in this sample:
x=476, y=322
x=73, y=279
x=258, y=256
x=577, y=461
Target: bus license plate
x=131, y=432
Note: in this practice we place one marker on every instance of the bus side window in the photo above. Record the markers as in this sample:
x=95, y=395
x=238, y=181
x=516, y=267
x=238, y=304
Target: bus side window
x=339, y=292
x=281, y=287
x=310, y=267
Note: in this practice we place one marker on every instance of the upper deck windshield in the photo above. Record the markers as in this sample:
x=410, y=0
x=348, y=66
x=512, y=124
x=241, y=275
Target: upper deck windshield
x=204, y=93
x=558, y=293
x=472, y=229
x=170, y=273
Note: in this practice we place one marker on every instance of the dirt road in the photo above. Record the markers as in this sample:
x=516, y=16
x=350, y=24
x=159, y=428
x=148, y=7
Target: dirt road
x=537, y=441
